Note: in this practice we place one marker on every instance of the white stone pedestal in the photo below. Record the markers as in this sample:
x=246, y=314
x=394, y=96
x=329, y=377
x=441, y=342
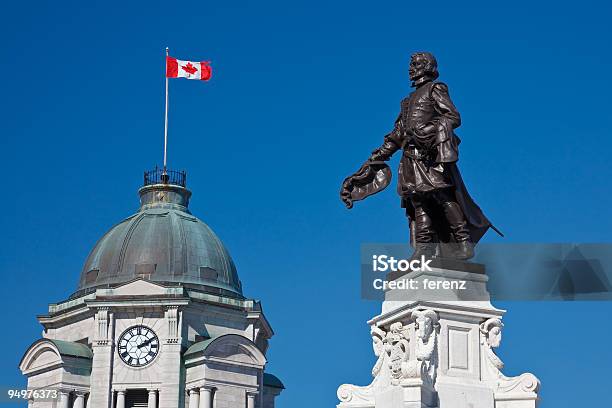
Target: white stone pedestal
x=435, y=347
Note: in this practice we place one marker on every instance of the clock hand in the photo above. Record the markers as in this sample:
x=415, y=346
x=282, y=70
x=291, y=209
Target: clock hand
x=144, y=343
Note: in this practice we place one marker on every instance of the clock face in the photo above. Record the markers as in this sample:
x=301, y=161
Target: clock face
x=138, y=346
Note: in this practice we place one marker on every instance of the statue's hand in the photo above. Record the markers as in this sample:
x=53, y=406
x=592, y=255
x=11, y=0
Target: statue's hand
x=425, y=129
x=348, y=203
x=345, y=194
x=376, y=155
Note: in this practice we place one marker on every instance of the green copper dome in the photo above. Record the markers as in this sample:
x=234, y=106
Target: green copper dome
x=164, y=243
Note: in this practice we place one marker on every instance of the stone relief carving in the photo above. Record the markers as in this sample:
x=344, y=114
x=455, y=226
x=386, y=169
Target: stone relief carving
x=172, y=316
x=394, y=361
x=103, y=323
x=490, y=338
x=427, y=328
x=378, y=344
x=398, y=349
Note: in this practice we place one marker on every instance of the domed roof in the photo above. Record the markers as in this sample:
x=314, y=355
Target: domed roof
x=164, y=243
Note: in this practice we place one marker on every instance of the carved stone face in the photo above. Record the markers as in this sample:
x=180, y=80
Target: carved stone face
x=377, y=345
x=424, y=327
x=495, y=336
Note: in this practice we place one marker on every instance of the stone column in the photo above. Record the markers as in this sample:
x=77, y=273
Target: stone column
x=101, y=393
x=64, y=399
x=170, y=393
x=251, y=399
x=79, y=400
x=120, y=399
x=206, y=400
x=152, y=399
x=194, y=398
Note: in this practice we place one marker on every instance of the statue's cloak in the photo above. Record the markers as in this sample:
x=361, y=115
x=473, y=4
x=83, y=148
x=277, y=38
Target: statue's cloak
x=374, y=176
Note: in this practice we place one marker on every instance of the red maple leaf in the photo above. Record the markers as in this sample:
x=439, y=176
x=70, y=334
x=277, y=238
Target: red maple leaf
x=189, y=68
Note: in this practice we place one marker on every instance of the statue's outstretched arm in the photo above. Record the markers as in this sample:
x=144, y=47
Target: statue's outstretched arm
x=391, y=144
x=373, y=176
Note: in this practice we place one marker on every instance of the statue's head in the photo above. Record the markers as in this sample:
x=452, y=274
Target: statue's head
x=423, y=67
x=426, y=321
x=378, y=337
x=492, y=329
x=495, y=336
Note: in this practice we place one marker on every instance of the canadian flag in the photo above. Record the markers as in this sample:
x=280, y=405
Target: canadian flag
x=176, y=68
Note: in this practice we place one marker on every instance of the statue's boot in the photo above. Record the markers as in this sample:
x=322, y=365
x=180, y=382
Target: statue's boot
x=458, y=225
x=424, y=245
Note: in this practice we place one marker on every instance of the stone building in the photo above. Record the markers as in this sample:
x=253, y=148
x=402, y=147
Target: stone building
x=158, y=319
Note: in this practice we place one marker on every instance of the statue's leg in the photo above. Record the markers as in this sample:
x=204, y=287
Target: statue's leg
x=457, y=223
x=424, y=245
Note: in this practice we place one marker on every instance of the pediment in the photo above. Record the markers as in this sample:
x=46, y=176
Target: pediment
x=138, y=287
x=48, y=354
x=46, y=357
x=234, y=353
x=228, y=349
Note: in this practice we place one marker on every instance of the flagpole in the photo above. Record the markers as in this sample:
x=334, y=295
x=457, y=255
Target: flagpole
x=166, y=118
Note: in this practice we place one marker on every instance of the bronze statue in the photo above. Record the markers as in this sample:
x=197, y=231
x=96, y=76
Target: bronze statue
x=438, y=206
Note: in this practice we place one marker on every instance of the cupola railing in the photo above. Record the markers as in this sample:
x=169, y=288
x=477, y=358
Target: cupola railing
x=165, y=176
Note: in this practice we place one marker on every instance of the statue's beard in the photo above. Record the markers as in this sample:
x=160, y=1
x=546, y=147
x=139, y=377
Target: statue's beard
x=420, y=77
x=414, y=75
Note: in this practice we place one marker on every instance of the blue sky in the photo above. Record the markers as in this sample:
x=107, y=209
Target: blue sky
x=301, y=93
